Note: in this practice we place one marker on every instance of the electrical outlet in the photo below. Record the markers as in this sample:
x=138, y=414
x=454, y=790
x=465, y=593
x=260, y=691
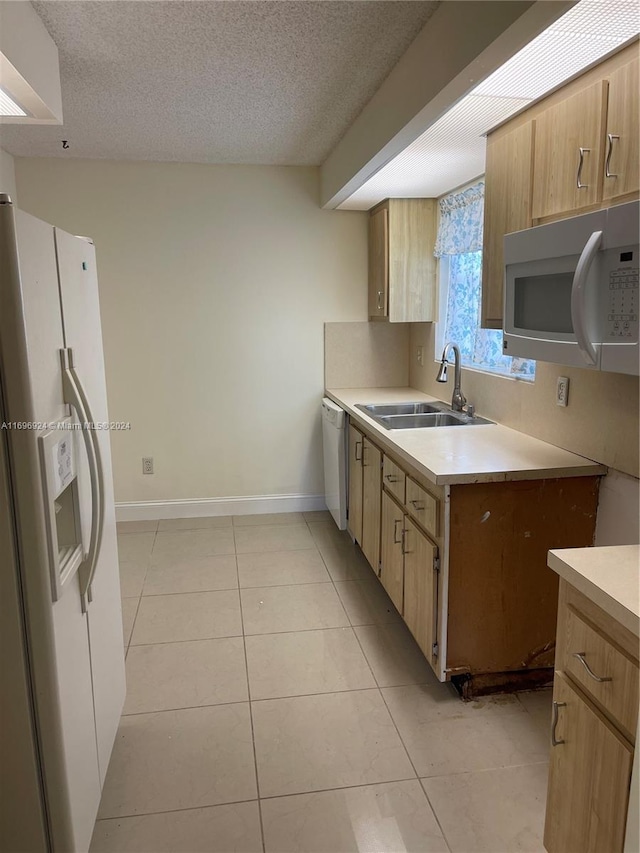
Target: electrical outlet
x=147, y=464
x=562, y=391
x=420, y=355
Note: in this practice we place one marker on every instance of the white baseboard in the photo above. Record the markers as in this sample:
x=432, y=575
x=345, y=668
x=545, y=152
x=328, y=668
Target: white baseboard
x=254, y=505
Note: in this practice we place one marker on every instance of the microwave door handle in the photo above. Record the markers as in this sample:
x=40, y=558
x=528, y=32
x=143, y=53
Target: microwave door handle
x=578, y=298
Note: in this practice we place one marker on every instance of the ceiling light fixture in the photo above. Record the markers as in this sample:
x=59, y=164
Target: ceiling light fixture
x=451, y=151
x=8, y=107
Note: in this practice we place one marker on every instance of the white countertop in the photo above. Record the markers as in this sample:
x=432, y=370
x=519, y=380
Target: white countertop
x=471, y=454
x=609, y=576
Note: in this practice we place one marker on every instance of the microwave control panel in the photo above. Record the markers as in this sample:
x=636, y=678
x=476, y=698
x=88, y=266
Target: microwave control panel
x=623, y=306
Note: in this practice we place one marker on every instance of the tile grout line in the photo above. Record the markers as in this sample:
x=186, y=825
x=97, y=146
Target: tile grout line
x=404, y=746
x=253, y=733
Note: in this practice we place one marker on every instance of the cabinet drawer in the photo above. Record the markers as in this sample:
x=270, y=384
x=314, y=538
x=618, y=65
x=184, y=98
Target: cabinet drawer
x=422, y=506
x=601, y=669
x=393, y=479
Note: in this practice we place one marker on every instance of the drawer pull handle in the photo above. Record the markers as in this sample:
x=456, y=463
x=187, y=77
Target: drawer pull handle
x=391, y=478
x=396, y=522
x=581, y=657
x=554, y=723
x=414, y=504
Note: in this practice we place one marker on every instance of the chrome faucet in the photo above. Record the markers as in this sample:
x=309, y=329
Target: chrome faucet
x=458, y=399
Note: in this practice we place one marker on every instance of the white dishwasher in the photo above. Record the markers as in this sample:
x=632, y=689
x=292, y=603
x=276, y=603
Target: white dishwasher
x=334, y=443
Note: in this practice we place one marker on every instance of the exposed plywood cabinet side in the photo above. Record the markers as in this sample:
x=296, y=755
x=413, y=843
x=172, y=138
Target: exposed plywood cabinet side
x=378, y=263
x=500, y=534
x=569, y=152
x=623, y=122
x=507, y=208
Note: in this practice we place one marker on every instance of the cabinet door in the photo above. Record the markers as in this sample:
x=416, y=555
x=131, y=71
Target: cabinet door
x=354, y=521
x=378, y=263
x=621, y=160
x=589, y=778
x=412, y=267
x=568, y=160
x=507, y=208
x=392, y=558
x=420, y=587
x=371, y=497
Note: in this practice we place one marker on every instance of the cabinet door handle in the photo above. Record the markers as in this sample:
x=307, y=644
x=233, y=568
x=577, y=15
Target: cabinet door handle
x=581, y=657
x=358, y=458
x=396, y=522
x=403, y=541
x=415, y=505
x=554, y=723
x=391, y=478
x=379, y=302
x=608, y=174
x=579, y=183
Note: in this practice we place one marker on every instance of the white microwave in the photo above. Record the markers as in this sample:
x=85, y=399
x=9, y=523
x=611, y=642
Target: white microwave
x=571, y=291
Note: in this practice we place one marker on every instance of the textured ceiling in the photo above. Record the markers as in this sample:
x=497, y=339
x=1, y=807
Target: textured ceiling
x=216, y=82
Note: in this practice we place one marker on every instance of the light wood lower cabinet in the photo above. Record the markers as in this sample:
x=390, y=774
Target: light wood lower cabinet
x=392, y=556
x=465, y=565
x=420, y=587
x=589, y=778
x=595, y=698
x=354, y=518
x=371, y=496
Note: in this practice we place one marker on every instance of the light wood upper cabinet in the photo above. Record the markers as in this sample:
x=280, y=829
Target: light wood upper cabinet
x=420, y=587
x=589, y=777
x=507, y=207
x=392, y=557
x=354, y=520
x=568, y=157
x=402, y=269
x=622, y=155
x=371, y=496
x=379, y=263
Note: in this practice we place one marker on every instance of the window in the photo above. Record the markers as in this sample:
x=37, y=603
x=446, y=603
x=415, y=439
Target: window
x=459, y=247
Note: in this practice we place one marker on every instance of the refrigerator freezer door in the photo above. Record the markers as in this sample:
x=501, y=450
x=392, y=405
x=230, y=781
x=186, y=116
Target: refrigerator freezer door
x=64, y=712
x=83, y=335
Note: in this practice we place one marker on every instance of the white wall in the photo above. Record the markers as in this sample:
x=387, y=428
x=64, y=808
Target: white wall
x=7, y=174
x=215, y=282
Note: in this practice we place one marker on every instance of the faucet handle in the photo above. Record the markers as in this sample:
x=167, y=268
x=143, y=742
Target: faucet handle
x=471, y=410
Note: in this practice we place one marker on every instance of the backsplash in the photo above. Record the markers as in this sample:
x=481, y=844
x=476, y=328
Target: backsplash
x=366, y=355
x=601, y=421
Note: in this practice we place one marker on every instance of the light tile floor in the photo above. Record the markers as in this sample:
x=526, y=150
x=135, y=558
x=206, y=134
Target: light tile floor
x=276, y=702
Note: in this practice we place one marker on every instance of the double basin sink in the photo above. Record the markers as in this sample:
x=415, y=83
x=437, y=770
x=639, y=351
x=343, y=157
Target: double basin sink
x=418, y=415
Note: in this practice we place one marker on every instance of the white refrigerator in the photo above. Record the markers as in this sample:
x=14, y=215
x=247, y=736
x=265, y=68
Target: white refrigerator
x=61, y=644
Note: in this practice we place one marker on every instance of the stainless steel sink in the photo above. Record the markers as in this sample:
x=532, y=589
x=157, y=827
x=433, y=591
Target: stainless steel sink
x=419, y=415
x=401, y=408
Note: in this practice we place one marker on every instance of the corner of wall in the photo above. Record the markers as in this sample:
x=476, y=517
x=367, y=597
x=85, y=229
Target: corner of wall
x=7, y=174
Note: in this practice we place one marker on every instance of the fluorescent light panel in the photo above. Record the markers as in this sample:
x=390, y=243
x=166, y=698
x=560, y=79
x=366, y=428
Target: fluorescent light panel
x=8, y=106
x=452, y=151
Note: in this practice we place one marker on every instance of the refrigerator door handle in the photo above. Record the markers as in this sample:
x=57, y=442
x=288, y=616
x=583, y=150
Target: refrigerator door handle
x=99, y=473
x=75, y=397
x=578, y=298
